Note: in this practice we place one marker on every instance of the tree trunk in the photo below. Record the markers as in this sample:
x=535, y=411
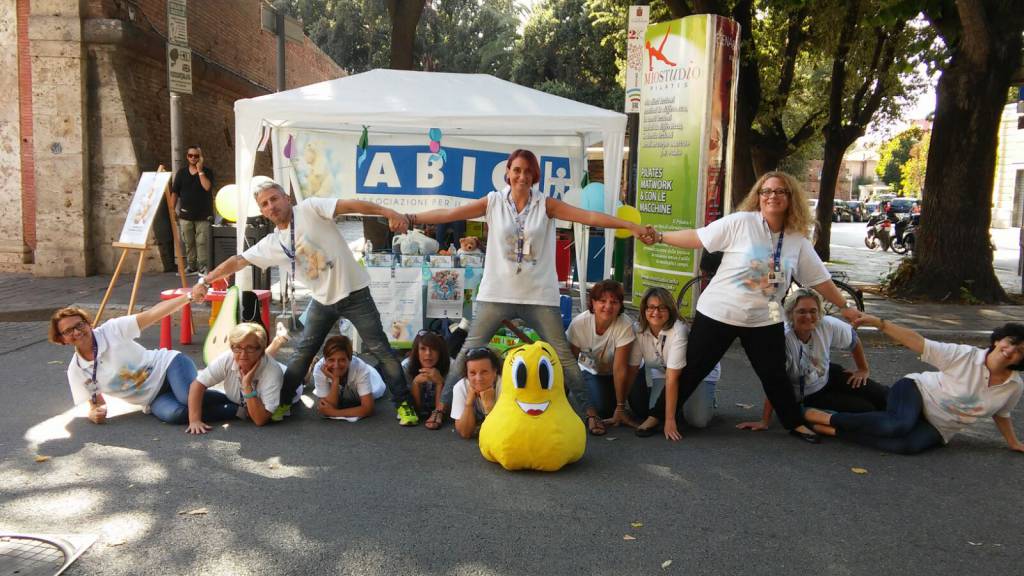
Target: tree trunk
x=405, y=16
x=748, y=99
x=832, y=160
x=954, y=251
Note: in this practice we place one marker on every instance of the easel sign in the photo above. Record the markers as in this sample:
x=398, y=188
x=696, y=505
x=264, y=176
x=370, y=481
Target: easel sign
x=153, y=188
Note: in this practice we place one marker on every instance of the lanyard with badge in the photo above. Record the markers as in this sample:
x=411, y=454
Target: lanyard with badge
x=775, y=277
x=522, y=246
x=291, y=256
x=92, y=385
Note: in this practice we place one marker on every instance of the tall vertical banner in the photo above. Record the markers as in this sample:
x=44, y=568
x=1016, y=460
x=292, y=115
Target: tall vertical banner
x=639, y=17
x=687, y=100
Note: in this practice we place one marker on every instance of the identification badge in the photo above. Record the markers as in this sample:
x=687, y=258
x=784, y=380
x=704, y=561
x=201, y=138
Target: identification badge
x=773, y=279
x=587, y=361
x=526, y=247
x=774, y=311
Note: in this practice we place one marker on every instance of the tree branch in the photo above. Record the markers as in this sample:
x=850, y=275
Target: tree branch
x=976, y=42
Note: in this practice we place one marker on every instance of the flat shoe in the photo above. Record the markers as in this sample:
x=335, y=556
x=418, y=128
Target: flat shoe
x=809, y=438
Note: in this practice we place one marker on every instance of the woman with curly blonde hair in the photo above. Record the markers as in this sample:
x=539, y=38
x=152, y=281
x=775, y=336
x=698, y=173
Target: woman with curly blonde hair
x=764, y=246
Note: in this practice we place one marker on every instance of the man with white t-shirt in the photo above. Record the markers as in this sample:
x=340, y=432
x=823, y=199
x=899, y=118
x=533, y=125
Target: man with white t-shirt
x=307, y=240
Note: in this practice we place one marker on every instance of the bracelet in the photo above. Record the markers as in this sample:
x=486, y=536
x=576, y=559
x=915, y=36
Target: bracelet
x=411, y=218
x=252, y=394
x=660, y=238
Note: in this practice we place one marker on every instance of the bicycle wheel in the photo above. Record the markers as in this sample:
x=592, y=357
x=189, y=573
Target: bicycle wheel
x=854, y=298
x=686, y=293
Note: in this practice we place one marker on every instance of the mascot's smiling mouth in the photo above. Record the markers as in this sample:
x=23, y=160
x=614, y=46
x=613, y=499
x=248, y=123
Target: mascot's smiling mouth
x=533, y=409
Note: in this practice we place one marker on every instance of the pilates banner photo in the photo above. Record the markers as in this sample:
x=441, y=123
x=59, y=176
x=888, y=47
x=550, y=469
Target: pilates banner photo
x=687, y=99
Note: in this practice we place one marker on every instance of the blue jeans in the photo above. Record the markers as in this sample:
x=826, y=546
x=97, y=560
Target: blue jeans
x=171, y=404
x=901, y=428
x=546, y=320
x=601, y=389
x=359, y=308
x=697, y=410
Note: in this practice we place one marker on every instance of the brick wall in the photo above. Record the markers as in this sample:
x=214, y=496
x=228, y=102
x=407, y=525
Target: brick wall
x=125, y=112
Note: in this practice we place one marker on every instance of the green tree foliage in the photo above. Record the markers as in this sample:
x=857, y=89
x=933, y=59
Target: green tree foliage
x=562, y=52
x=893, y=155
x=469, y=36
x=913, y=170
x=356, y=34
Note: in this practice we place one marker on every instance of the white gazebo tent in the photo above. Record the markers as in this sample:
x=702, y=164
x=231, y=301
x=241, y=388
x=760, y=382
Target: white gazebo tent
x=404, y=102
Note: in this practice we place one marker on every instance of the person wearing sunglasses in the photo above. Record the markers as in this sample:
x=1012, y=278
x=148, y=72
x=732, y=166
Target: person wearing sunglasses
x=107, y=361
x=601, y=337
x=660, y=348
x=473, y=396
x=252, y=382
x=817, y=381
x=765, y=246
x=192, y=198
x=426, y=368
x=345, y=385
x=519, y=279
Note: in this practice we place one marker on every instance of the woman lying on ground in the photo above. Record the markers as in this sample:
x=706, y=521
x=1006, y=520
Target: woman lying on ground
x=108, y=361
x=765, y=246
x=601, y=338
x=519, y=279
x=660, y=347
x=817, y=381
x=252, y=382
x=345, y=385
x=475, y=394
x=927, y=409
x=425, y=370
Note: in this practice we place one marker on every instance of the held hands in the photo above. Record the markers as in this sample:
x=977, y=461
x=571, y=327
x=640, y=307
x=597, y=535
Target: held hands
x=397, y=222
x=858, y=378
x=646, y=234
x=864, y=320
x=199, y=292
x=852, y=315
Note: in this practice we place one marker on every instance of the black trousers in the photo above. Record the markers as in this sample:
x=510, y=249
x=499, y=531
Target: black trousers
x=839, y=396
x=766, y=349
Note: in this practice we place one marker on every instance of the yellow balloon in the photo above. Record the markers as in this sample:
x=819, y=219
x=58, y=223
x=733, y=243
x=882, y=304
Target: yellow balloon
x=227, y=202
x=629, y=214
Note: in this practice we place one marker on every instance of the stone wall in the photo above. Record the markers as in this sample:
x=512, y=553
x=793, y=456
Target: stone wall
x=13, y=249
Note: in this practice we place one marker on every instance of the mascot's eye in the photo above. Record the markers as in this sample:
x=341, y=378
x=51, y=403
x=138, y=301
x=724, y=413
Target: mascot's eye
x=519, y=370
x=546, y=374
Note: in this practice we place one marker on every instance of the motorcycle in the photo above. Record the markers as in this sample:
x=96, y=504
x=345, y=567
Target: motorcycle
x=906, y=234
x=878, y=233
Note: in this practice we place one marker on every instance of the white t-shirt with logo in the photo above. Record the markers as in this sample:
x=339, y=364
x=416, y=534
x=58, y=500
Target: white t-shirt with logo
x=224, y=370
x=537, y=280
x=665, y=351
x=324, y=263
x=741, y=291
x=362, y=379
x=809, y=360
x=126, y=370
x=960, y=394
x=597, y=351
x=459, y=398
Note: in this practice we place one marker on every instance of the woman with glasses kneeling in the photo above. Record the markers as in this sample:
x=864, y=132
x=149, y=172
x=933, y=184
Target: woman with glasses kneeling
x=817, y=381
x=926, y=410
x=345, y=385
x=661, y=347
x=473, y=396
x=252, y=382
x=108, y=361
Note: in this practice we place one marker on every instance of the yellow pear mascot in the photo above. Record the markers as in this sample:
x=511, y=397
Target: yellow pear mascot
x=532, y=425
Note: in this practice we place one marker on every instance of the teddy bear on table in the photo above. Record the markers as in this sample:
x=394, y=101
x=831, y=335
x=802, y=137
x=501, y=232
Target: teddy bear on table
x=470, y=245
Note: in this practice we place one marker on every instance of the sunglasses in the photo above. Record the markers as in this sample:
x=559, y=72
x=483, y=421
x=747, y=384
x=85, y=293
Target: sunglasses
x=193, y=155
x=478, y=353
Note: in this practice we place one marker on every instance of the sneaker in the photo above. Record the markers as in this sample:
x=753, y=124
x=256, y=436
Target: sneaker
x=190, y=270
x=282, y=411
x=407, y=415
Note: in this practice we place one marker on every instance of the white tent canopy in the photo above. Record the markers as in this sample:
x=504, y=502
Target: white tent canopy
x=402, y=102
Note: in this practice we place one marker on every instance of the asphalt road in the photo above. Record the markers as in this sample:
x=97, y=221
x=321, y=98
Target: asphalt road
x=310, y=496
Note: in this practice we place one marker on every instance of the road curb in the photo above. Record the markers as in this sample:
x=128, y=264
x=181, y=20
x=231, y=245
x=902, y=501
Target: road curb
x=978, y=338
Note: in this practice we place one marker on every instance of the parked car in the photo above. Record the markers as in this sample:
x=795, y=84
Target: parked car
x=901, y=206
x=841, y=212
x=857, y=210
x=871, y=207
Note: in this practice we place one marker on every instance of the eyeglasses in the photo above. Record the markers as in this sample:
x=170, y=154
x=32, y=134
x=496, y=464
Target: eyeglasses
x=660, y=308
x=769, y=192
x=237, y=349
x=193, y=155
x=424, y=332
x=80, y=328
x=478, y=353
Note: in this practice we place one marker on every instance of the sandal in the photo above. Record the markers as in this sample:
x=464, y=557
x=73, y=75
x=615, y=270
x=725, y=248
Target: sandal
x=595, y=426
x=435, y=420
x=648, y=431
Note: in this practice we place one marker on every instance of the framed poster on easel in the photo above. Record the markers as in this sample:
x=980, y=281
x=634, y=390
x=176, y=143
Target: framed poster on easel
x=153, y=188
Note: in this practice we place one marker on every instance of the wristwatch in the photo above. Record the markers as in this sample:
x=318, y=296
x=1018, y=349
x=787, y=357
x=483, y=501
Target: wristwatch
x=252, y=394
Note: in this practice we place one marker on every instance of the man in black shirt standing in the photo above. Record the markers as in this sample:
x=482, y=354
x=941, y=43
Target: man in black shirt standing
x=192, y=196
